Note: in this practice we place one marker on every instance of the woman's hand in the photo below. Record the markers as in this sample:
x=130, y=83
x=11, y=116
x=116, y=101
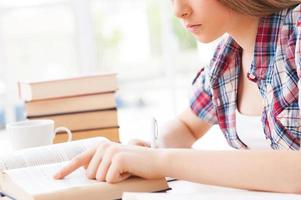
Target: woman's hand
x=113, y=162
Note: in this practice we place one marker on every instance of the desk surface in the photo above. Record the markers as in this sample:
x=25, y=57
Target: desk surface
x=186, y=190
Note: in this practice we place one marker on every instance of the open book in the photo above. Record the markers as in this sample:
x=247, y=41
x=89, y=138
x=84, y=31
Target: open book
x=28, y=174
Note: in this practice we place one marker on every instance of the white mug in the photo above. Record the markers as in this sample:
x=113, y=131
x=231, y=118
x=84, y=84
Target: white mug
x=32, y=133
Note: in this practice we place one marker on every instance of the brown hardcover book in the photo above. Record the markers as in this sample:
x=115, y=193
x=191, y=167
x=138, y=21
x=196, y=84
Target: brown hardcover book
x=28, y=175
x=85, y=120
x=30, y=91
x=70, y=104
x=109, y=133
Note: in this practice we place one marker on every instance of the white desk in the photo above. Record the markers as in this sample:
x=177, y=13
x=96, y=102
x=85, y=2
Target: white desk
x=183, y=190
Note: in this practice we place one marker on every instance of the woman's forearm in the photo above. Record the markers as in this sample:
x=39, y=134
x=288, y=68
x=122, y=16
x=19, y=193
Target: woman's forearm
x=183, y=131
x=277, y=171
x=175, y=135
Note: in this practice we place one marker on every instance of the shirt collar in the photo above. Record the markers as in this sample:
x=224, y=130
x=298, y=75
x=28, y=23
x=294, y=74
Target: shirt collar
x=226, y=56
x=266, y=45
x=264, y=50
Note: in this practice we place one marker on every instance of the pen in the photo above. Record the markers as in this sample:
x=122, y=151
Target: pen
x=154, y=134
x=2, y=194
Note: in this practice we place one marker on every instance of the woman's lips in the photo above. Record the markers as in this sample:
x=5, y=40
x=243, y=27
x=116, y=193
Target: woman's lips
x=193, y=28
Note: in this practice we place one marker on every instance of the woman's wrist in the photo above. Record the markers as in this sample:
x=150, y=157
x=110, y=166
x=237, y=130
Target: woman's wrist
x=163, y=163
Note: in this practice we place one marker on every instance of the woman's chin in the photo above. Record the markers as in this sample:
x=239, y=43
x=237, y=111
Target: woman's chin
x=204, y=39
x=208, y=38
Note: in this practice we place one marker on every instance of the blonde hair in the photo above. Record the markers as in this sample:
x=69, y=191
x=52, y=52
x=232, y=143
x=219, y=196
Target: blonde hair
x=259, y=7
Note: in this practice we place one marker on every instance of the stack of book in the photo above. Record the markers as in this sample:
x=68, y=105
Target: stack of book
x=85, y=105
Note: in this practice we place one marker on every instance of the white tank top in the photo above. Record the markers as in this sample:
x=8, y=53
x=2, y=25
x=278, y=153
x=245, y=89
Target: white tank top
x=250, y=131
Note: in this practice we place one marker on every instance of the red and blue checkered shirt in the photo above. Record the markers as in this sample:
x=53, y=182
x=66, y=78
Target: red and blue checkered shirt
x=276, y=69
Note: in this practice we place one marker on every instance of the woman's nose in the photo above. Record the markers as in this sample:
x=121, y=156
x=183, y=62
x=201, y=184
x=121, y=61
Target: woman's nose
x=181, y=9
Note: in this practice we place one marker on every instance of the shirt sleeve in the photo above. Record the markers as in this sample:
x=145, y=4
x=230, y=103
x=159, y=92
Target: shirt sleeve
x=201, y=98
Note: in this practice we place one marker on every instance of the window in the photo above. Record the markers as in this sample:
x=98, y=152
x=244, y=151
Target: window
x=154, y=56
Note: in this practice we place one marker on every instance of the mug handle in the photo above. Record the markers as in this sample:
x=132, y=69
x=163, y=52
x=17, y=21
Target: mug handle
x=64, y=129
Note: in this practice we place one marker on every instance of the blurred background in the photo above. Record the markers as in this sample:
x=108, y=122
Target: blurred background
x=155, y=57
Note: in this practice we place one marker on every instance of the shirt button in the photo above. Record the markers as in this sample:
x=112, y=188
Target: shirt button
x=252, y=76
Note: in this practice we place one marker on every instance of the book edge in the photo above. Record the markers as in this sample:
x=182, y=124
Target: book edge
x=73, y=113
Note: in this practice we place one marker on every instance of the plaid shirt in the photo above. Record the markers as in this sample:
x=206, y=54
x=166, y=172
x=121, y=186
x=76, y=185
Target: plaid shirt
x=276, y=69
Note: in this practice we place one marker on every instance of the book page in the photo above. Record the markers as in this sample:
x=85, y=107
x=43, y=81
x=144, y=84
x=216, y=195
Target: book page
x=42, y=181
x=47, y=154
x=38, y=182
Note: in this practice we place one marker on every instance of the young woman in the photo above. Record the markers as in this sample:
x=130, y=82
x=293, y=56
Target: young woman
x=250, y=89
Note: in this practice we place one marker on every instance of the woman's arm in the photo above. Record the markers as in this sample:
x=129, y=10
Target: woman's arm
x=276, y=171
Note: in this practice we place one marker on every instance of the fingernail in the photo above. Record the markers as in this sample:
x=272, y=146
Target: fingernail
x=57, y=176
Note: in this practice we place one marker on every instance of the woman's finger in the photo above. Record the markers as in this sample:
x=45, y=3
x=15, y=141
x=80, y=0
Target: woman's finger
x=117, y=171
x=95, y=161
x=77, y=162
x=103, y=167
